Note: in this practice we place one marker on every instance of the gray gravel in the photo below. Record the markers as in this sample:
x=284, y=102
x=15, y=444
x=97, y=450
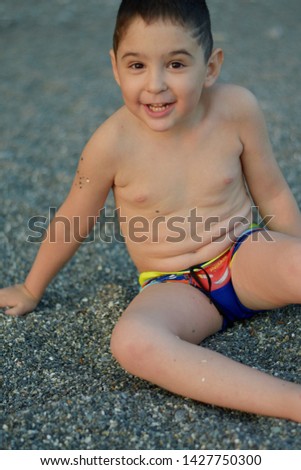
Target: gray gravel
x=62, y=389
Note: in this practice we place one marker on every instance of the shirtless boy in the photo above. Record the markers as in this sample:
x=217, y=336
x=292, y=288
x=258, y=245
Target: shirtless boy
x=187, y=158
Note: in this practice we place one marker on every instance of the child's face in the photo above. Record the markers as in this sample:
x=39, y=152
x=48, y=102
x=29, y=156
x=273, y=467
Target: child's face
x=161, y=71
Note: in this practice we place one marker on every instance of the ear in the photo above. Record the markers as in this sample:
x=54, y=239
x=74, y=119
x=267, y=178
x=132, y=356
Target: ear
x=214, y=66
x=114, y=66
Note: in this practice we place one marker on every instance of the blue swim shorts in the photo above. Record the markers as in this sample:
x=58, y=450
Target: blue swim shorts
x=213, y=278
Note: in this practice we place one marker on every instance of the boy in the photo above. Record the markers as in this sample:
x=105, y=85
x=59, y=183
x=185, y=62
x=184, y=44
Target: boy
x=184, y=157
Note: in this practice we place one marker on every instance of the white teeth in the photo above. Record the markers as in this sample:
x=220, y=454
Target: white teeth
x=158, y=108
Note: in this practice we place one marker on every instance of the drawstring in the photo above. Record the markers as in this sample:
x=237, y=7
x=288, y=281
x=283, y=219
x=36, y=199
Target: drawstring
x=197, y=279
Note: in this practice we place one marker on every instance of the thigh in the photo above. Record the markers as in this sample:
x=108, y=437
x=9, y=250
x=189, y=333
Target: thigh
x=266, y=270
x=175, y=308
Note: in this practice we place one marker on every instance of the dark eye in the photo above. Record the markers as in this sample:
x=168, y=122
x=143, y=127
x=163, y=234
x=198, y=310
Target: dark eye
x=136, y=66
x=176, y=65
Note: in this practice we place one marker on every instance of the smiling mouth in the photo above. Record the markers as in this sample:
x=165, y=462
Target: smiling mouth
x=159, y=108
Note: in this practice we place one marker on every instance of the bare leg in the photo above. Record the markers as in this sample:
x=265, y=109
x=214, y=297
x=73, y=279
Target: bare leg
x=157, y=339
x=267, y=274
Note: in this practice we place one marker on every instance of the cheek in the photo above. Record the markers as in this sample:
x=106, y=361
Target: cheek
x=129, y=88
x=190, y=86
x=127, y=92
x=191, y=93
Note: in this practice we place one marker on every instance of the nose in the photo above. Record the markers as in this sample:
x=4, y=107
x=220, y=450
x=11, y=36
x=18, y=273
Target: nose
x=156, y=81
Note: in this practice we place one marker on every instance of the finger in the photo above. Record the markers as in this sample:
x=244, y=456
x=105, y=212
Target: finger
x=15, y=311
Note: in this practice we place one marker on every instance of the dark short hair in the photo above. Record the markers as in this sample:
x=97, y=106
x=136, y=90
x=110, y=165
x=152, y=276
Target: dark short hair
x=191, y=14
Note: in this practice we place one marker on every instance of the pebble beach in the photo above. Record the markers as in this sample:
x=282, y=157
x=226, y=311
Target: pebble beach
x=62, y=389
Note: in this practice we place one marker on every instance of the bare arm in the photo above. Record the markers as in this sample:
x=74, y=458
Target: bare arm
x=71, y=225
x=266, y=183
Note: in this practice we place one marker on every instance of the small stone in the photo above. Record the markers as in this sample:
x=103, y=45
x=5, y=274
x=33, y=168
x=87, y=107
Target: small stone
x=276, y=32
x=276, y=429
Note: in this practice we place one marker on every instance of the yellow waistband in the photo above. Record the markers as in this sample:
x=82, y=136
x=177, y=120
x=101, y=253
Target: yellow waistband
x=145, y=276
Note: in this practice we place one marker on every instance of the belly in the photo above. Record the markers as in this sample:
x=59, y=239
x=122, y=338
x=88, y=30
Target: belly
x=176, y=242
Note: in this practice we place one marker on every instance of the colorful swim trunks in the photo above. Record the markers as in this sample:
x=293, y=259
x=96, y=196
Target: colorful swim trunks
x=213, y=278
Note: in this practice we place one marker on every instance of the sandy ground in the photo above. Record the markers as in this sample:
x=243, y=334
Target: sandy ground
x=62, y=389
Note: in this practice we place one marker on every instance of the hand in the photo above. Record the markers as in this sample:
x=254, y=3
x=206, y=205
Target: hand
x=17, y=300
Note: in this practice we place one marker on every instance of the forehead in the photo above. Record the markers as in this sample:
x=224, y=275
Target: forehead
x=160, y=35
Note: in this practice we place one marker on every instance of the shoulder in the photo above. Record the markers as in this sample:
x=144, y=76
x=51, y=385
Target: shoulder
x=107, y=135
x=235, y=101
x=232, y=92
x=107, y=142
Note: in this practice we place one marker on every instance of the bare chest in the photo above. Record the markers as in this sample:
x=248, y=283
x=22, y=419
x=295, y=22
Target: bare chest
x=164, y=182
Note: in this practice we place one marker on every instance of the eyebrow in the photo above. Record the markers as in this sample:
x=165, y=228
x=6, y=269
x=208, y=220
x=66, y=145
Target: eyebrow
x=180, y=52
x=170, y=54
x=130, y=54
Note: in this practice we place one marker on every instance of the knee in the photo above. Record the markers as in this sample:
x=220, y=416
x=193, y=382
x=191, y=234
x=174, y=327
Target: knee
x=132, y=345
